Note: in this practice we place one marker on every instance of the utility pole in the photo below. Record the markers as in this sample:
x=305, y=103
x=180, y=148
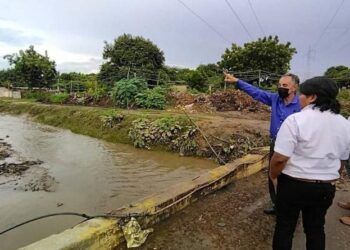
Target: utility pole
x=309, y=57
x=259, y=80
x=158, y=78
x=128, y=76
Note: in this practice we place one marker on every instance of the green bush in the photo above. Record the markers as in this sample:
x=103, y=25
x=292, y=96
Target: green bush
x=59, y=98
x=344, y=94
x=152, y=98
x=124, y=91
x=38, y=96
x=171, y=132
x=97, y=91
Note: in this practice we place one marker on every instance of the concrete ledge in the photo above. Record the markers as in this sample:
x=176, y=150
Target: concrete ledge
x=106, y=234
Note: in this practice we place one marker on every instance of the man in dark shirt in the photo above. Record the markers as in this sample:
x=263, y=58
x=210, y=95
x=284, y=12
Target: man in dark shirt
x=283, y=104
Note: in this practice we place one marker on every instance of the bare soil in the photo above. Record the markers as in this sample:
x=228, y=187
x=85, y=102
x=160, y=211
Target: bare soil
x=233, y=218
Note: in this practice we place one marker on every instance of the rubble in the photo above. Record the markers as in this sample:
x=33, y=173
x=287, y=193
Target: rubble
x=235, y=100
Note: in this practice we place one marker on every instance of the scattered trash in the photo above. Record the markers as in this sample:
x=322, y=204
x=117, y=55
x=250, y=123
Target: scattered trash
x=134, y=235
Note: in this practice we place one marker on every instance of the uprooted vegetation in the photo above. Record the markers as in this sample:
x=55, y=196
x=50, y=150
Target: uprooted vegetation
x=180, y=135
x=173, y=133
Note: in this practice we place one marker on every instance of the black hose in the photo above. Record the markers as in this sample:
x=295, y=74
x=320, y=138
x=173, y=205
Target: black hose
x=87, y=217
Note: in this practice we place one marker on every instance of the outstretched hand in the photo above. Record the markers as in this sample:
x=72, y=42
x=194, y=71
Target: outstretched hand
x=230, y=78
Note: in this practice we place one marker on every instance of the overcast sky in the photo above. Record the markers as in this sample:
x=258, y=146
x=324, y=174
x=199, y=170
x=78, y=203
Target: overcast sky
x=73, y=31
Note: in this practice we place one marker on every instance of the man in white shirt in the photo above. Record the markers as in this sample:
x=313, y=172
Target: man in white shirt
x=309, y=148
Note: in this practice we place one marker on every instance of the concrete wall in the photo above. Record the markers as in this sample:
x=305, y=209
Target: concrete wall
x=5, y=92
x=106, y=233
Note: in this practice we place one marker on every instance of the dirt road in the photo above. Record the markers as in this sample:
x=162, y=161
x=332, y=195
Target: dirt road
x=233, y=218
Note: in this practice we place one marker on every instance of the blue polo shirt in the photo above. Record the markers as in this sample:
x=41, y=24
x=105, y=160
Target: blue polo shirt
x=279, y=111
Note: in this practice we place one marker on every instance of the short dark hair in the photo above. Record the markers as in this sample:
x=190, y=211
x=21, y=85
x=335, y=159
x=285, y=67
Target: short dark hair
x=326, y=91
x=295, y=78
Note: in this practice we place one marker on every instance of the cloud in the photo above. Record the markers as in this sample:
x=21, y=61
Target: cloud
x=16, y=35
x=90, y=66
x=3, y=64
x=17, y=38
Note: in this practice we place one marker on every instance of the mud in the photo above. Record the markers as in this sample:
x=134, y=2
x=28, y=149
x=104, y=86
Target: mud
x=24, y=175
x=231, y=218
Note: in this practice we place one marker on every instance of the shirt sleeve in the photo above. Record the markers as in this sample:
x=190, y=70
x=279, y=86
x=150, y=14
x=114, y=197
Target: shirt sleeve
x=258, y=94
x=286, y=140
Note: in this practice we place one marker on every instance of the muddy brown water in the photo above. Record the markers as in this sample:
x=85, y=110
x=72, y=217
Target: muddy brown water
x=81, y=174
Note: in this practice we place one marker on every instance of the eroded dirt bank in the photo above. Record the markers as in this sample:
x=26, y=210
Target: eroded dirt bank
x=233, y=218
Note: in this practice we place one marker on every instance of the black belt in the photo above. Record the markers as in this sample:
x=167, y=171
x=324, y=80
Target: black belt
x=308, y=180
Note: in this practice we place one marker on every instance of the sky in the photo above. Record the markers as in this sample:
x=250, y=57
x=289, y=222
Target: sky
x=73, y=31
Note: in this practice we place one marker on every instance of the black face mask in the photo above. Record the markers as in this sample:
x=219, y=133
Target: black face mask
x=283, y=92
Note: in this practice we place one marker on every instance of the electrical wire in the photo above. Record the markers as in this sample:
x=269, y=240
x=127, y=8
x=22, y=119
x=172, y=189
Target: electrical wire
x=161, y=210
x=239, y=19
x=256, y=17
x=329, y=23
x=204, y=21
x=87, y=217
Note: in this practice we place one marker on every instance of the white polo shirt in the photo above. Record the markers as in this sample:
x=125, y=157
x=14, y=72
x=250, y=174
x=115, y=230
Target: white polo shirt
x=315, y=141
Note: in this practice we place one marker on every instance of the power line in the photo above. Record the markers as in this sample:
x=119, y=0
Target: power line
x=239, y=19
x=204, y=21
x=342, y=34
x=256, y=18
x=330, y=22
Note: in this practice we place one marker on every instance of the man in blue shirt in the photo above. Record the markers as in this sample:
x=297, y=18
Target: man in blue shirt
x=283, y=104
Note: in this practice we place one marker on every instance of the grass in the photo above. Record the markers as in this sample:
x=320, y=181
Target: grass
x=78, y=119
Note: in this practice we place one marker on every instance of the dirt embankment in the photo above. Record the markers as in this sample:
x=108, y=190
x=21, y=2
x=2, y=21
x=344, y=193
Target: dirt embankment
x=231, y=133
x=22, y=174
x=231, y=218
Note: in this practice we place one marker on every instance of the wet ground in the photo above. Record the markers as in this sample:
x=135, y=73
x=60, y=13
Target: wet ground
x=233, y=218
x=48, y=170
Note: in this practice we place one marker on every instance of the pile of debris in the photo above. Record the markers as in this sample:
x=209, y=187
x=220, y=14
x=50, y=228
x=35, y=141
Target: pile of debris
x=89, y=100
x=235, y=100
x=229, y=100
x=179, y=98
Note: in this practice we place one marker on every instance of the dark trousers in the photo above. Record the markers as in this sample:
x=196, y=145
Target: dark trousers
x=347, y=166
x=313, y=200
x=271, y=187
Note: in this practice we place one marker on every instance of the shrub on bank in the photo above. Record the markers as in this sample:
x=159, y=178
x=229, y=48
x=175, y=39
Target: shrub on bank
x=173, y=133
x=152, y=98
x=38, y=96
x=59, y=98
x=124, y=91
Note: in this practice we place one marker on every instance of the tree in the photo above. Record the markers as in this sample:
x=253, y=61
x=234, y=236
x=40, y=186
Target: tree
x=264, y=54
x=197, y=80
x=33, y=69
x=209, y=70
x=128, y=54
x=7, y=77
x=340, y=74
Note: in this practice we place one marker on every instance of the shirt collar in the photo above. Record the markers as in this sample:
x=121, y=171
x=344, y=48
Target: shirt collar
x=310, y=106
x=294, y=101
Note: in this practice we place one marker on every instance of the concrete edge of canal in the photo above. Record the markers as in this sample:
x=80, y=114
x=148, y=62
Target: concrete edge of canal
x=100, y=233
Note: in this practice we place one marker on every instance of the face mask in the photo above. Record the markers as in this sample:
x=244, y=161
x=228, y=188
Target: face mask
x=283, y=92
